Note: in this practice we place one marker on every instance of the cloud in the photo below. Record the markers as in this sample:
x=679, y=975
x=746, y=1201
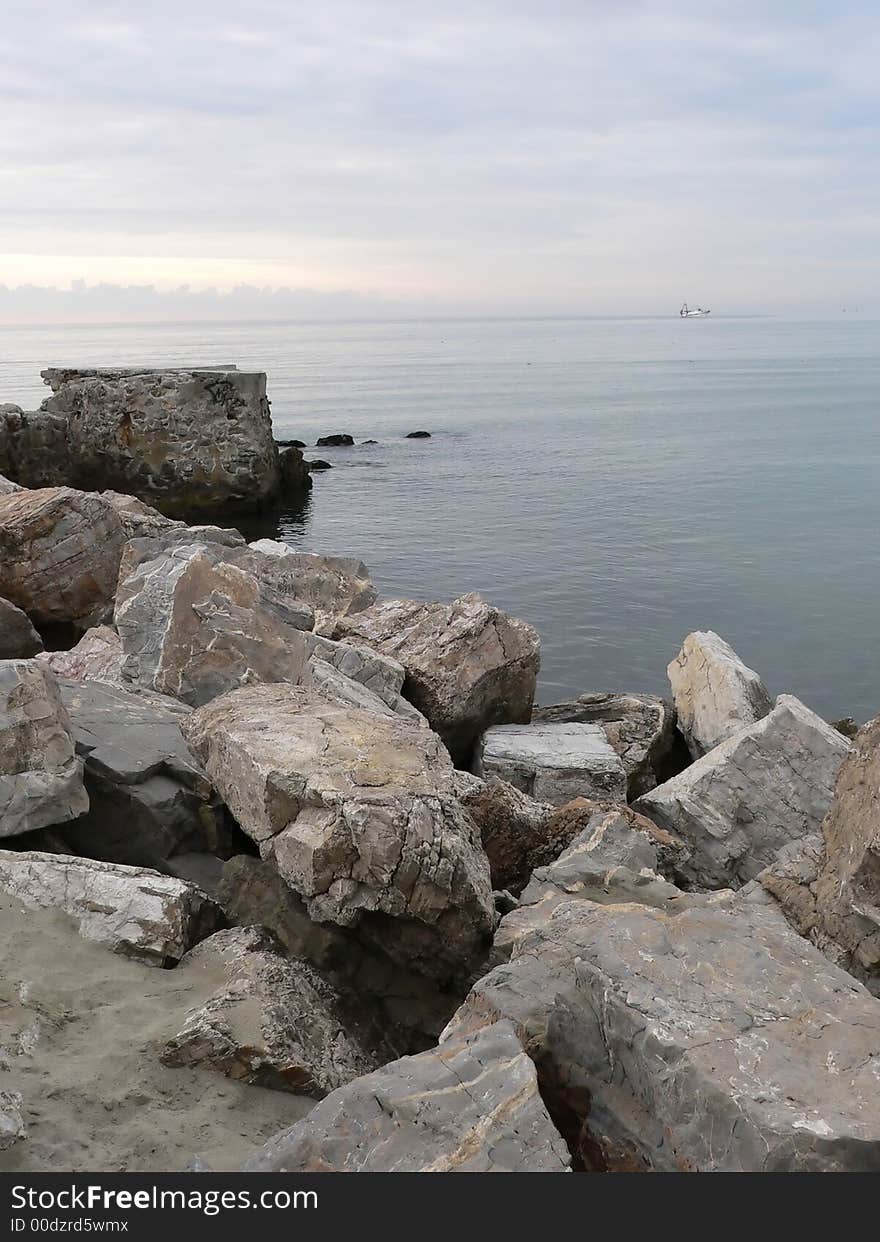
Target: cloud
x=571, y=157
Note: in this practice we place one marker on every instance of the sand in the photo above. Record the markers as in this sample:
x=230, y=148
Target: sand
x=80, y=1033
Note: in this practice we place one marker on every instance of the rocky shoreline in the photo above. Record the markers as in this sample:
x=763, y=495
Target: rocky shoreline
x=383, y=911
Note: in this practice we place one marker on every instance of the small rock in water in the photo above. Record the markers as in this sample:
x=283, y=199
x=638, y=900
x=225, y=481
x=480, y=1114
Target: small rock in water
x=418, y=435
x=335, y=441
x=318, y=464
x=300, y=444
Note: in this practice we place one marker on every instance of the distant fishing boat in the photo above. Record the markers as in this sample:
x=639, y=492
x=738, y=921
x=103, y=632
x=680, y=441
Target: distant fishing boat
x=699, y=313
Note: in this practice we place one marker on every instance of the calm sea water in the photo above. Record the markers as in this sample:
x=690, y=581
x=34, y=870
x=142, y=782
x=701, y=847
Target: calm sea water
x=615, y=482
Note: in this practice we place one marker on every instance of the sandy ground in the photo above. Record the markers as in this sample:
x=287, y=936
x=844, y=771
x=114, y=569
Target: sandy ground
x=80, y=1030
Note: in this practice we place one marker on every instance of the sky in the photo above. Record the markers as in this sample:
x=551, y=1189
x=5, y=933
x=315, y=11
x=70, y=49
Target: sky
x=338, y=158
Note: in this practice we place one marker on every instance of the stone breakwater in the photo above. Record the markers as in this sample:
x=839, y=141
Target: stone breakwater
x=442, y=928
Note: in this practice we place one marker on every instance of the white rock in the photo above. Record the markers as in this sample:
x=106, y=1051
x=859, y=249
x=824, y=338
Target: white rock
x=553, y=762
x=715, y=693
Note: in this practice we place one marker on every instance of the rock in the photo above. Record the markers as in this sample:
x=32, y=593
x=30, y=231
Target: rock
x=339, y=688
x=847, y=726
x=148, y=798
x=471, y=1105
x=317, y=464
x=468, y=665
x=40, y=777
x=613, y=856
x=333, y=585
x=59, y=555
x=553, y=762
x=295, y=476
x=12, y=1126
x=513, y=829
x=34, y=448
x=791, y=879
x=715, y=693
x=335, y=441
x=185, y=439
x=194, y=625
x=18, y=638
x=272, y=1021
x=711, y=1040
x=139, y=520
x=131, y=910
x=418, y=435
x=737, y=806
x=848, y=885
x=640, y=728
x=358, y=813
x=96, y=657
x=300, y=444
x=7, y=486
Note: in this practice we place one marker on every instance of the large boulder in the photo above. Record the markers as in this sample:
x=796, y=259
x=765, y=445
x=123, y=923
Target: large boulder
x=469, y=1106
x=737, y=806
x=468, y=665
x=133, y=911
x=148, y=798
x=711, y=1040
x=184, y=439
x=333, y=585
x=193, y=625
x=715, y=694
x=272, y=1021
x=358, y=812
x=40, y=776
x=59, y=555
x=18, y=638
x=640, y=728
x=553, y=762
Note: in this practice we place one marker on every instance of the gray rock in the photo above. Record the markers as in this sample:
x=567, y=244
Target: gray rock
x=18, y=638
x=333, y=585
x=40, y=776
x=341, y=689
x=715, y=694
x=471, y=1105
x=12, y=1126
x=148, y=798
x=711, y=1040
x=272, y=1021
x=59, y=555
x=295, y=475
x=640, y=728
x=553, y=762
x=738, y=805
x=513, y=829
x=468, y=665
x=131, y=910
x=357, y=811
x=96, y=657
x=186, y=439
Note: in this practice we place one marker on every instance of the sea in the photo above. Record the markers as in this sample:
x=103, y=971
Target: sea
x=616, y=482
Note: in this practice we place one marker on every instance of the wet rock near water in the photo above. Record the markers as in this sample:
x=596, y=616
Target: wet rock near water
x=342, y=440
x=715, y=693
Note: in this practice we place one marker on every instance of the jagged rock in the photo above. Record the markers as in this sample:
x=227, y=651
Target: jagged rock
x=791, y=879
x=333, y=585
x=471, y=1105
x=272, y=1021
x=18, y=638
x=715, y=694
x=848, y=885
x=12, y=1126
x=357, y=811
x=553, y=762
x=59, y=555
x=148, y=798
x=182, y=438
x=295, y=475
x=513, y=829
x=40, y=776
x=737, y=806
x=847, y=726
x=131, y=910
x=614, y=856
x=7, y=486
x=193, y=625
x=341, y=689
x=468, y=665
x=139, y=520
x=711, y=1040
x=640, y=728
x=34, y=447
x=96, y=657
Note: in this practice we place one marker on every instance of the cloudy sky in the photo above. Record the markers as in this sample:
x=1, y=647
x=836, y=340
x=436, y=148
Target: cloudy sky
x=519, y=156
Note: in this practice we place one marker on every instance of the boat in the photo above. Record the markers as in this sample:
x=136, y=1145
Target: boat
x=699, y=313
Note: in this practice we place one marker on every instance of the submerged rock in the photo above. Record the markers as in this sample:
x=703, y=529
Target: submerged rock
x=715, y=693
x=358, y=813
x=553, y=762
x=711, y=1040
x=640, y=728
x=40, y=776
x=468, y=665
x=468, y=1106
x=766, y=785
x=131, y=910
